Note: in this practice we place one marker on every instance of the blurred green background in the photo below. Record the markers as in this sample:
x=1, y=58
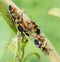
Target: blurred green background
x=37, y=10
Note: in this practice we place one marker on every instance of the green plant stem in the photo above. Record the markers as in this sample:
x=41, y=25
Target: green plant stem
x=16, y=50
x=22, y=54
x=20, y=58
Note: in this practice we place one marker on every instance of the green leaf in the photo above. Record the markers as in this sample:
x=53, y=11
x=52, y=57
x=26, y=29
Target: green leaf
x=11, y=47
x=29, y=55
x=54, y=11
x=6, y=34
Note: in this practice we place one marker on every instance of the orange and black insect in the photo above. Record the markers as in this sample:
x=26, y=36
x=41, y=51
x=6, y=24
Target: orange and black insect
x=19, y=22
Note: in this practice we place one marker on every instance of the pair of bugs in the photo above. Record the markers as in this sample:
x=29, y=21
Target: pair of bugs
x=27, y=27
